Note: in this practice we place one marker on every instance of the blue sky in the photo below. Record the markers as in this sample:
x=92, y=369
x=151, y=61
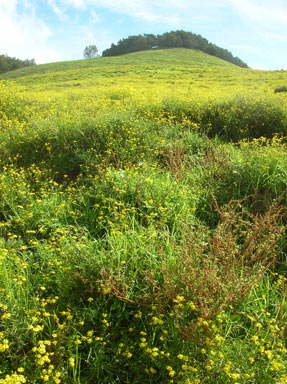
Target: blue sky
x=57, y=30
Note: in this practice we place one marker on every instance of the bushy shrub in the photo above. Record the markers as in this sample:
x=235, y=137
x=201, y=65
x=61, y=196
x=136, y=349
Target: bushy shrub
x=233, y=120
x=283, y=88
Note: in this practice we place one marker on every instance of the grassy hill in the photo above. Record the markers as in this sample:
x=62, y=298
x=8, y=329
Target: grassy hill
x=143, y=222
x=155, y=58
x=161, y=73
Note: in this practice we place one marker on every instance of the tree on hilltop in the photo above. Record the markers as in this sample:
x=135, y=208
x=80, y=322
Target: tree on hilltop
x=90, y=51
x=173, y=39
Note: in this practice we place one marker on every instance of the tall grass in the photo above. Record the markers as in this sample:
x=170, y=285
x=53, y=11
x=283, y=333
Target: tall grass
x=142, y=236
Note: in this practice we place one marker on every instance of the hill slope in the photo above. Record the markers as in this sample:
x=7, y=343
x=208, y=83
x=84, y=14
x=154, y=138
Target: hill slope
x=154, y=58
x=137, y=80
x=148, y=75
x=138, y=244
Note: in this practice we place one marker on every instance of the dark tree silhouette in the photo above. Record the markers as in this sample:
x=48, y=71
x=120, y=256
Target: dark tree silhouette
x=10, y=63
x=173, y=39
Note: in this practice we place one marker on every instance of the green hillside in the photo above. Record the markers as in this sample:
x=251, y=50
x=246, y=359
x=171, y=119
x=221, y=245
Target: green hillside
x=176, y=66
x=143, y=222
x=155, y=58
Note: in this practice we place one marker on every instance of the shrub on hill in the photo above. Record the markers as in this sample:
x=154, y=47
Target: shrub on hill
x=281, y=89
x=173, y=39
x=10, y=63
x=232, y=120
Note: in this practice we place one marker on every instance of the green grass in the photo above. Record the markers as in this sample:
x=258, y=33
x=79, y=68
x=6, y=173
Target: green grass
x=143, y=222
x=153, y=59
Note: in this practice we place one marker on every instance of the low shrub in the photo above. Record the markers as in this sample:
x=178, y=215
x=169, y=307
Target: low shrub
x=233, y=120
x=283, y=88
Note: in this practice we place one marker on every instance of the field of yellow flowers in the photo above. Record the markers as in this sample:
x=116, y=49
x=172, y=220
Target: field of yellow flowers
x=143, y=222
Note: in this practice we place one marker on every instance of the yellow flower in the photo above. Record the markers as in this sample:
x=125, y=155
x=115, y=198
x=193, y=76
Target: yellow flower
x=71, y=362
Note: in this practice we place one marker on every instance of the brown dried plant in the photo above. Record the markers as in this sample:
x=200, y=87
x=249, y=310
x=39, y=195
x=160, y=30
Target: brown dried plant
x=173, y=159
x=216, y=269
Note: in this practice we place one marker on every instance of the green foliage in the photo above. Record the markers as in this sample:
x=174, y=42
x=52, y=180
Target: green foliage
x=11, y=63
x=233, y=120
x=172, y=39
x=90, y=51
x=244, y=118
x=283, y=88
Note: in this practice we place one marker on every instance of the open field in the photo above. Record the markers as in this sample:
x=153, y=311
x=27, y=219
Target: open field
x=143, y=222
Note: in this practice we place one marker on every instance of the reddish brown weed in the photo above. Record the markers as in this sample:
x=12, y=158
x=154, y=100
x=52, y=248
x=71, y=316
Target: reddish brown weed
x=218, y=268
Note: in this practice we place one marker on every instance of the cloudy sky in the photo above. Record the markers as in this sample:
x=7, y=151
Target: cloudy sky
x=57, y=30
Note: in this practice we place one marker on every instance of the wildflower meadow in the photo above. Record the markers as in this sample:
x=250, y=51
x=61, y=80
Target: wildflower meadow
x=143, y=222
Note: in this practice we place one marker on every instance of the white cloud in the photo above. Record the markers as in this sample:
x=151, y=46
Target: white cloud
x=278, y=37
x=78, y=3
x=169, y=11
x=146, y=10
x=264, y=12
x=87, y=36
x=57, y=10
x=25, y=35
x=7, y=7
x=266, y=22
x=95, y=18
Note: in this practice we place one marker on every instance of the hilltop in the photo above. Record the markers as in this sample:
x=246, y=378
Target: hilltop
x=173, y=39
